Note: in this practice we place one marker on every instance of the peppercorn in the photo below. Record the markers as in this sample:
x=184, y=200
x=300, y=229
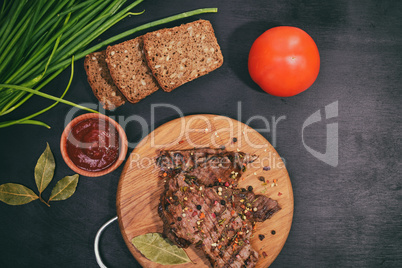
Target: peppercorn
x=235, y=139
x=175, y=197
x=261, y=237
x=199, y=207
x=223, y=202
x=273, y=232
x=250, y=188
x=243, y=189
x=261, y=178
x=179, y=218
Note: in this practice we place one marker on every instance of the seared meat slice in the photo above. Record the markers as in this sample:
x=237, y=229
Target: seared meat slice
x=208, y=165
x=197, y=208
x=256, y=208
x=219, y=219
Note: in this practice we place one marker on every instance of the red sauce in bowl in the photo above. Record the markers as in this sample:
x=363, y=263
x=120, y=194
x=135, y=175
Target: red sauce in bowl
x=93, y=144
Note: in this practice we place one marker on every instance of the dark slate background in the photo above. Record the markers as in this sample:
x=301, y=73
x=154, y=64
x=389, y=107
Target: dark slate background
x=345, y=216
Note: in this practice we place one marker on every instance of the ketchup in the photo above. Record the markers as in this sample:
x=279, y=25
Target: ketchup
x=93, y=144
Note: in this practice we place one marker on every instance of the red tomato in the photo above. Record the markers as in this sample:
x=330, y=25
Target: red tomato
x=284, y=61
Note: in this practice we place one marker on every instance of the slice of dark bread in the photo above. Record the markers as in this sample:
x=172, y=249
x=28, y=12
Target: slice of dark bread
x=101, y=82
x=129, y=70
x=180, y=54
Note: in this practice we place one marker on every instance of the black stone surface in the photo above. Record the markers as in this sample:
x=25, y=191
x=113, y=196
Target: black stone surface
x=345, y=216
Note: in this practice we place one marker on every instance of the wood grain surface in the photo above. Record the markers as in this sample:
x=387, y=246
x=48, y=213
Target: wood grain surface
x=140, y=187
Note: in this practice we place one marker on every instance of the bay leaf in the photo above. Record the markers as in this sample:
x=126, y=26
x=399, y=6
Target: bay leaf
x=44, y=169
x=160, y=250
x=16, y=194
x=64, y=188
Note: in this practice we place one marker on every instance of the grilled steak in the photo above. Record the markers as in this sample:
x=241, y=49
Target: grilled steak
x=196, y=209
x=208, y=165
x=219, y=219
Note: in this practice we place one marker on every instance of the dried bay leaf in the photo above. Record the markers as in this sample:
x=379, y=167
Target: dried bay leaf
x=64, y=188
x=44, y=169
x=160, y=250
x=16, y=194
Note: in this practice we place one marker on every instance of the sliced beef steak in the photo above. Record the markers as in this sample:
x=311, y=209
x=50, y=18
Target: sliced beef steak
x=215, y=218
x=208, y=165
x=202, y=205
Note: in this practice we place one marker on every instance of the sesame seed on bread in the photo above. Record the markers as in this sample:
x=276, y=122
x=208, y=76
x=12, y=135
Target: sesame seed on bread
x=181, y=54
x=101, y=82
x=129, y=70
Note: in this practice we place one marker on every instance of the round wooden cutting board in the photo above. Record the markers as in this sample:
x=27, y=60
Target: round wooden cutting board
x=140, y=187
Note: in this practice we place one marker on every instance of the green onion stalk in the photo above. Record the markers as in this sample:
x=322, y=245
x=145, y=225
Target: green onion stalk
x=41, y=38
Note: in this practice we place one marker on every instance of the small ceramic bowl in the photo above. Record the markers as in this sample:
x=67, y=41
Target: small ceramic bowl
x=122, y=149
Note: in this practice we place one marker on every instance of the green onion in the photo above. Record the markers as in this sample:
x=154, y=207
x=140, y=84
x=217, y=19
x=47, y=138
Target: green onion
x=33, y=122
x=50, y=97
x=40, y=37
x=27, y=119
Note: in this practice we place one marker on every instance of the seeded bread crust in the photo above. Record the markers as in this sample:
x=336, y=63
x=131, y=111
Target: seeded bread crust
x=101, y=82
x=129, y=70
x=181, y=54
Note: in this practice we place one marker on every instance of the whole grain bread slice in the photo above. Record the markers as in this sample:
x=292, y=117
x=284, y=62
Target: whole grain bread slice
x=129, y=70
x=101, y=82
x=180, y=54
